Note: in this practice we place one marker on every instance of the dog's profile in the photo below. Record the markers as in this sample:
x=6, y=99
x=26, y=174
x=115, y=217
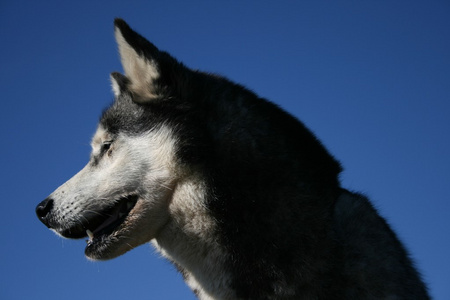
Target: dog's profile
x=237, y=193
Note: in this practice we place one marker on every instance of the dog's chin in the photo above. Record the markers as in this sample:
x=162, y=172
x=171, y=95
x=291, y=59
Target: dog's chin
x=108, y=246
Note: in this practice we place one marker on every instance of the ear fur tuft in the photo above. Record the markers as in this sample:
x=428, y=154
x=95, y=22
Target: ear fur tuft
x=119, y=83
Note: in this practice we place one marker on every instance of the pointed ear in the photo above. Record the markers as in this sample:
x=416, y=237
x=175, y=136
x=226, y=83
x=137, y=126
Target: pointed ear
x=139, y=61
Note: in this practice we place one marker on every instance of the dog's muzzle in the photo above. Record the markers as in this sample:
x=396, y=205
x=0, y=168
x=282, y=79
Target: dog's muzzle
x=90, y=223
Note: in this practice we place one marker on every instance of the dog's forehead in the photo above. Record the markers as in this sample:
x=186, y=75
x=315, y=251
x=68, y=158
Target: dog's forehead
x=125, y=116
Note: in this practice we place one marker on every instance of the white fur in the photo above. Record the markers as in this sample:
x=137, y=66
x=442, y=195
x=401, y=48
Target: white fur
x=190, y=240
x=115, y=86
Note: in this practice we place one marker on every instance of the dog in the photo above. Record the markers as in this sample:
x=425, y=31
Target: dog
x=238, y=194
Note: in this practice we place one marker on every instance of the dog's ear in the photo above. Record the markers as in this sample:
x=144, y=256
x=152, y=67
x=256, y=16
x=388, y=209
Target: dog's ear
x=140, y=62
x=119, y=83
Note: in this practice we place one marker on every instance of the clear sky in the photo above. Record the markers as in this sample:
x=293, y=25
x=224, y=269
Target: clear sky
x=370, y=78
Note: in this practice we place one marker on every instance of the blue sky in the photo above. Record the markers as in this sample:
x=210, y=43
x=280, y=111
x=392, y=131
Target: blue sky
x=370, y=78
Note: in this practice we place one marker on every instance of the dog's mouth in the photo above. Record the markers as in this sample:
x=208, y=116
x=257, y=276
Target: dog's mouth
x=99, y=226
x=107, y=221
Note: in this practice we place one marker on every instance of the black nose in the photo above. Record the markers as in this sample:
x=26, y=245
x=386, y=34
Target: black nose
x=43, y=210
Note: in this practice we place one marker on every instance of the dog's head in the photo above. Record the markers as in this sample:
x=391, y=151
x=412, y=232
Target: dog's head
x=120, y=199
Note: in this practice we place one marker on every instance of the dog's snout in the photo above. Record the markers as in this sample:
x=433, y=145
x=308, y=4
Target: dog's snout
x=43, y=209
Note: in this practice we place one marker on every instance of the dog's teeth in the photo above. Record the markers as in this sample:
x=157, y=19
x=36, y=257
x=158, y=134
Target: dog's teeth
x=90, y=234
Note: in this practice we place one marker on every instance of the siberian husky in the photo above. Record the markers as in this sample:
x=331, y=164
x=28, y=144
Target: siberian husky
x=237, y=193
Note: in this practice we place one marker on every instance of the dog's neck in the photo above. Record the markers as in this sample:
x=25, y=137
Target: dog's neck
x=190, y=242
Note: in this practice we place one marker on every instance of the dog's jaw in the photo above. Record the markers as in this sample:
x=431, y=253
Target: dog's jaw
x=140, y=226
x=117, y=218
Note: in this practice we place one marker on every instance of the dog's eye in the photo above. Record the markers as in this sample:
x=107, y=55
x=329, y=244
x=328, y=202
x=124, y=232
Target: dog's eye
x=106, y=145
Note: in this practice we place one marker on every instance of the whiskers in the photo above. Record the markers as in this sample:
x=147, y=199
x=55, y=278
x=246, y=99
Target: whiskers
x=166, y=187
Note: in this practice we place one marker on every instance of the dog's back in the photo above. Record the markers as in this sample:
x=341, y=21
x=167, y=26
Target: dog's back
x=374, y=264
